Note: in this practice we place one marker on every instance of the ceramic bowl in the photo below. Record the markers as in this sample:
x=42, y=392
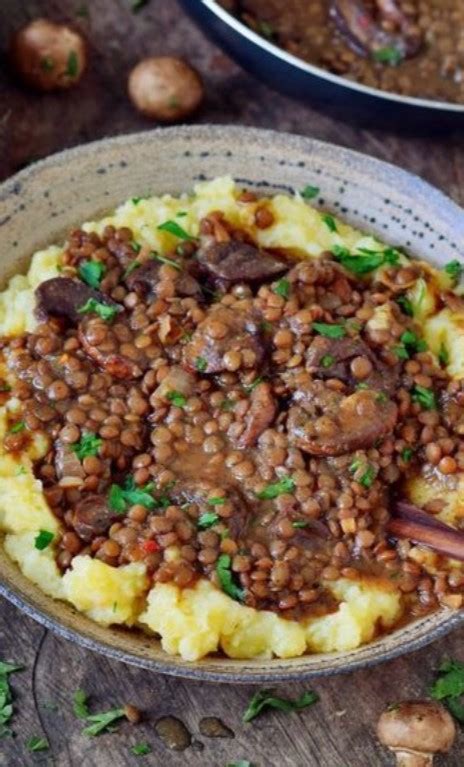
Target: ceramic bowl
x=41, y=203
x=342, y=98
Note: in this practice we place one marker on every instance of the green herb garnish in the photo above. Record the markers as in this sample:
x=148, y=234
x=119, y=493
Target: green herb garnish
x=166, y=260
x=88, y=445
x=37, y=744
x=310, y=192
x=217, y=500
x=369, y=474
x=299, y=524
x=329, y=331
x=330, y=222
x=175, y=229
x=92, y=306
x=381, y=397
x=207, y=519
x=266, y=699
x=424, y=397
x=406, y=305
x=327, y=361
x=92, y=272
x=80, y=706
x=449, y=687
x=241, y=763
x=17, y=427
x=141, y=749
x=282, y=288
x=410, y=344
x=43, y=539
x=132, y=266
x=6, y=699
x=103, y=722
x=366, y=261
x=443, y=355
x=129, y=494
x=250, y=387
x=72, y=66
x=201, y=364
x=388, y=55
x=226, y=578
x=284, y=485
x=177, y=398
x=454, y=269
x=406, y=454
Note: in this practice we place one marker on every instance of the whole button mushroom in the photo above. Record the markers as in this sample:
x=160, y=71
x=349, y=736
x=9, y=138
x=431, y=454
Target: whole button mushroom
x=165, y=88
x=415, y=731
x=48, y=56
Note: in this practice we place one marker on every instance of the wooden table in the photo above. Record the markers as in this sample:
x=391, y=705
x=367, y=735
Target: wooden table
x=339, y=730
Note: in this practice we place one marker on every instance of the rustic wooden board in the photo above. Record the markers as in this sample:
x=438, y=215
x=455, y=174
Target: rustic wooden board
x=339, y=730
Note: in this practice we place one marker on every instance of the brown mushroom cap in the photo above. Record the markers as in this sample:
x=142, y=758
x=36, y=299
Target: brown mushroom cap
x=416, y=725
x=165, y=88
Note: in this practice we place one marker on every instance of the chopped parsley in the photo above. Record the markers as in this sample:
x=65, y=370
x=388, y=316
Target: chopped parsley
x=310, y=192
x=6, y=699
x=201, y=364
x=4, y=387
x=207, y=519
x=47, y=64
x=80, y=707
x=129, y=494
x=264, y=699
x=381, y=397
x=388, y=55
x=443, y=355
x=329, y=331
x=102, y=722
x=92, y=272
x=43, y=539
x=141, y=749
x=406, y=454
x=265, y=326
x=88, y=445
x=410, y=344
x=406, y=305
x=172, y=227
x=265, y=29
x=176, y=398
x=327, y=361
x=369, y=473
x=284, y=485
x=92, y=306
x=330, y=222
x=37, y=744
x=17, y=427
x=252, y=386
x=166, y=260
x=449, y=687
x=217, y=501
x=282, y=288
x=132, y=266
x=226, y=578
x=136, y=200
x=424, y=397
x=454, y=269
x=299, y=524
x=366, y=260
x=72, y=66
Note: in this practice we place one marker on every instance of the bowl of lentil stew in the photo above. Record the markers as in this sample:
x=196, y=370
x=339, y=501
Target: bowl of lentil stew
x=310, y=53
x=83, y=183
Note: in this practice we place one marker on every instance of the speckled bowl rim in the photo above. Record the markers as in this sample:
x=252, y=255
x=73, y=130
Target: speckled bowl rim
x=115, y=643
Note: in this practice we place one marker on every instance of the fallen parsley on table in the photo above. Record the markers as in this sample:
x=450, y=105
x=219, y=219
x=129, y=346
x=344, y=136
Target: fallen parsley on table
x=6, y=698
x=266, y=699
x=37, y=744
x=449, y=687
x=100, y=722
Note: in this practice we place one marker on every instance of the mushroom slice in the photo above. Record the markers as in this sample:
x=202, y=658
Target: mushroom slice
x=329, y=423
x=366, y=35
x=237, y=261
x=224, y=330
x=64, y=297
x=416, y=730
x=260, y=415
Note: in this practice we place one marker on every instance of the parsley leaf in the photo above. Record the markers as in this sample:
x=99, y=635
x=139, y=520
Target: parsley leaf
x=310, y=192
x=120, y=497
x=298, y=524
x=177, y=398
x=329, y=331
x=454, y=269
x=166, y=260
x=92, y=306
x=175, y=229
x=241, y=763
x=410, y=344
x=37, y=744
x=282, y=288
x=284, y=485
x=327, y=361
x=424, y=397
x=207, y=519
x=141, y=749
x=266, y=699
x=449, y=687
x=17, y=427
x=88, y=445
x=388, y=55
x=406, y=305
x=201, y=364
x=216, y=501
x=80, y=707
x=6, y=700
x=330, y=222
x=72, y=66
x=226, y=578
x=366, y=260
x=369, y=474
x=250, y=387
x=43, y=539
x=103, y=722
x=92, y=272
x=443, y=355
x=406, y=454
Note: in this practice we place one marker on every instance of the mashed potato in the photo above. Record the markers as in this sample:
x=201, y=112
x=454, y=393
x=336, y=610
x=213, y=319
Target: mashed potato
x=196, y=621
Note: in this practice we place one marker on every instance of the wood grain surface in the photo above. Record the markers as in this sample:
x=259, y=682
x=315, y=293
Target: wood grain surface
x=339, y=730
